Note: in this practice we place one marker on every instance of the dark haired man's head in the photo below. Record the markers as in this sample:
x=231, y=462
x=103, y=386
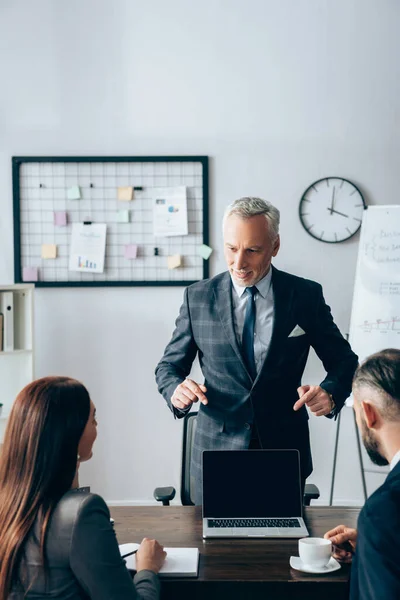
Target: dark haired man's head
x=376, y=391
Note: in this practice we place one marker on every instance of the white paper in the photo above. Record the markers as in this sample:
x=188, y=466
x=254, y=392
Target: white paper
x=179, y=562
x=7, y=308
x=88, y=246
x=170, y=211
x=375, y=315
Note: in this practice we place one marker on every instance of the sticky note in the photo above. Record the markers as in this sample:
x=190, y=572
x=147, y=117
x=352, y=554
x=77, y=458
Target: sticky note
x=130, y=251
x=125, y=193
x=205, y=251
x=74, y=193
x=123, y=216
x=174, y=261
x=29, y=274
x=60, y=219
x=49, y=251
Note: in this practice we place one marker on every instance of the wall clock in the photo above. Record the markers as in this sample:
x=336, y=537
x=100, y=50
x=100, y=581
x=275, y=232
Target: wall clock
x=331, y=209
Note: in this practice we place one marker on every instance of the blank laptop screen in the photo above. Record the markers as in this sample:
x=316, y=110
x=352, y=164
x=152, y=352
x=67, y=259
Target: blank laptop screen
x=251, y=483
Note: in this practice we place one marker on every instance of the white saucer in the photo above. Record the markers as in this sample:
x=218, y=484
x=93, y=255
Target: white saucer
x=296, y=563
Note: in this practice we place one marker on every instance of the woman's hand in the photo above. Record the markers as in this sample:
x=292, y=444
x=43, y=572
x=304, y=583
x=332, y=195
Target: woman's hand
x=150, y=555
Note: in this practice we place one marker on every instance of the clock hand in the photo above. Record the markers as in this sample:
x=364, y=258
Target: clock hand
x=337, y=212
x=332, y=200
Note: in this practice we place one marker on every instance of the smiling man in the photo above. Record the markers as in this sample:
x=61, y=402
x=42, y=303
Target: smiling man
x=252, y=328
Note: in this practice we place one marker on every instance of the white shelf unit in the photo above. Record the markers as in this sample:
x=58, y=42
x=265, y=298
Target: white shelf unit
x=17, y=365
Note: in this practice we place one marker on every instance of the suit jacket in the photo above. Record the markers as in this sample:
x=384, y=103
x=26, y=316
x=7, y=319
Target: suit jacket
x=205, y=327
x=83, y=557
x=375, y=572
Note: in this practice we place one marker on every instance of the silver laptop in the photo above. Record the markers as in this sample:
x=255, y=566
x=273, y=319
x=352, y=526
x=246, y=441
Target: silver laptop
x=252, y=493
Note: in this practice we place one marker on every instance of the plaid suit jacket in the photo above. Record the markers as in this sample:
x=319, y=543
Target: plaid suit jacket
x=205, y=327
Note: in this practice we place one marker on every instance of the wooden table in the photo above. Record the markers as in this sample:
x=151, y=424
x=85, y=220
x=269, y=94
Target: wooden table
x=236, y=568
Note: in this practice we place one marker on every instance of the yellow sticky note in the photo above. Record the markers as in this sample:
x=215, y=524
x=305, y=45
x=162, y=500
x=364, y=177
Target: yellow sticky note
x=174, y=261
x=49, y=251
x=125, y=193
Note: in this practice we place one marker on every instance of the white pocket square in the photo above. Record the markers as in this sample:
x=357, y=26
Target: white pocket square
x=296, y=331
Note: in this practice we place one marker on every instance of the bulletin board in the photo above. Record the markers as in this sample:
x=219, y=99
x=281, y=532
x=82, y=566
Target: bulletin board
x=45, y=210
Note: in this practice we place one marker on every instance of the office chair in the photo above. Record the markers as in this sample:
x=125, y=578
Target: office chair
x=166, y=494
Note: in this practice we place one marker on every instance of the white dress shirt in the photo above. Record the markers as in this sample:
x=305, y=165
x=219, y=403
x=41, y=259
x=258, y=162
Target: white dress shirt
x=395, y=460
x=264, y=299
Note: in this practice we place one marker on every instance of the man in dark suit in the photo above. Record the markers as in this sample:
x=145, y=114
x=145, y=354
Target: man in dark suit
x=252, y=328
x=375, y=571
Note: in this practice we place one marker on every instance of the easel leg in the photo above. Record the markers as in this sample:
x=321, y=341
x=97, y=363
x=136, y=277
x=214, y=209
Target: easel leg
x=360, y=457
x=335, y=458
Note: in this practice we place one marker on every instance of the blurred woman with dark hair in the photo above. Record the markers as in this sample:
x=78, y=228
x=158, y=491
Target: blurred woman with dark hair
x=56, y=541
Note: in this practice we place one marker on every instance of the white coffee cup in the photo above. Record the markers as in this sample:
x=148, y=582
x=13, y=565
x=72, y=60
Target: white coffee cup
x=315, y=552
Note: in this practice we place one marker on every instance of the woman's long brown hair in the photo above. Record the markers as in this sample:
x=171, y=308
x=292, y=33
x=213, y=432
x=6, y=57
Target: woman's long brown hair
x=37, y=464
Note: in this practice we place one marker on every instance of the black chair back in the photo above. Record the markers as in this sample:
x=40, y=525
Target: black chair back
x=166, y=494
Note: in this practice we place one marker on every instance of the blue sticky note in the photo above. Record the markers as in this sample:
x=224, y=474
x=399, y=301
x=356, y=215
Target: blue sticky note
x=123, y=216
x=205, y=251
x=74, y=193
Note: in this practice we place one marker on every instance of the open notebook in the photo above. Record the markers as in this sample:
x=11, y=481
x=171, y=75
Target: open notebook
x=180, y=562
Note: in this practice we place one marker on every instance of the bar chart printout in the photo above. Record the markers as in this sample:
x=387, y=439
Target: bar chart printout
x=88, y=246
x=375, y=317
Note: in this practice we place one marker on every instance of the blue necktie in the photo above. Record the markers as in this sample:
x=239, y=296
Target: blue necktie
x=248, y=331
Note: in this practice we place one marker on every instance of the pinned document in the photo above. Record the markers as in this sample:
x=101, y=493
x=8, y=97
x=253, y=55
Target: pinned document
x=29, y=274
x=88, y=247
x=49, y=251
x=170, y=211
x=125, y=193
x=174, y=261
x=122, y=216
x=74, y=193
x=205, y=251
x=130, y=251
x=60, y=218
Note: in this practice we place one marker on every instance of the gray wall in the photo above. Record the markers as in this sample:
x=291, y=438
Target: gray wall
x=277, y=92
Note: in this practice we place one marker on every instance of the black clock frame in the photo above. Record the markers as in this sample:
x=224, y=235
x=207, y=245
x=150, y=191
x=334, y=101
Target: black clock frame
x=305, y=193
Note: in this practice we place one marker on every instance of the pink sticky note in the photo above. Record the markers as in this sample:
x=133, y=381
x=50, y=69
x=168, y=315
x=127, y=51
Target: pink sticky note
x=30, y=274
x=130, y=251
x=60, y=219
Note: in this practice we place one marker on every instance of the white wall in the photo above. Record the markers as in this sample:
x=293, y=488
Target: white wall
x=277, y=92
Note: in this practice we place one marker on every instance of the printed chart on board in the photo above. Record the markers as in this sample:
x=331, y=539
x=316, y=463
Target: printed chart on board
x=375, y=318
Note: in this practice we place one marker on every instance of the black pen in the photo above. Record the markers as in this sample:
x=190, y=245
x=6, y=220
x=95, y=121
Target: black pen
x=129, y=554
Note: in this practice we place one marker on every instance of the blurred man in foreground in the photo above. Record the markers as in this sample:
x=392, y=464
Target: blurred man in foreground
x=376, y=543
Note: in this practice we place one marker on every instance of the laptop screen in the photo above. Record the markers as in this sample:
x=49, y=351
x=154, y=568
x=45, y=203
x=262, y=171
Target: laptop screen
x=251, y=483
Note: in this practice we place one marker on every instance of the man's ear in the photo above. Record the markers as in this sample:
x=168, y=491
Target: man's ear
x=371, y=415
x=277, y=245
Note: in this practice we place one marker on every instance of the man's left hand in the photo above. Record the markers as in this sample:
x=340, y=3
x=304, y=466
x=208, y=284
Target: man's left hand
x=318, y=400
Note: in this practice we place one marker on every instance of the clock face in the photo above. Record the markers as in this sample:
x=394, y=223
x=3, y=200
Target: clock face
x=331, y=209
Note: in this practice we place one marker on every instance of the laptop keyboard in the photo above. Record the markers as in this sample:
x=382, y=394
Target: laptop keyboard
x=253, y=523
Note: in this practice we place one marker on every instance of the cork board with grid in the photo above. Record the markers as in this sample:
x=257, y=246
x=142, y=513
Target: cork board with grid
x=40, y=189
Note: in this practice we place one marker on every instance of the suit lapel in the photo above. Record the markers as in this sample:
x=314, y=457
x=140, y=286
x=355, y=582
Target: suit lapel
x=224, y=305
x=283, y=300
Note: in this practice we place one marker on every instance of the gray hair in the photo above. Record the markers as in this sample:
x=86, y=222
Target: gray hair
x=381, y=373
x=250, y=206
